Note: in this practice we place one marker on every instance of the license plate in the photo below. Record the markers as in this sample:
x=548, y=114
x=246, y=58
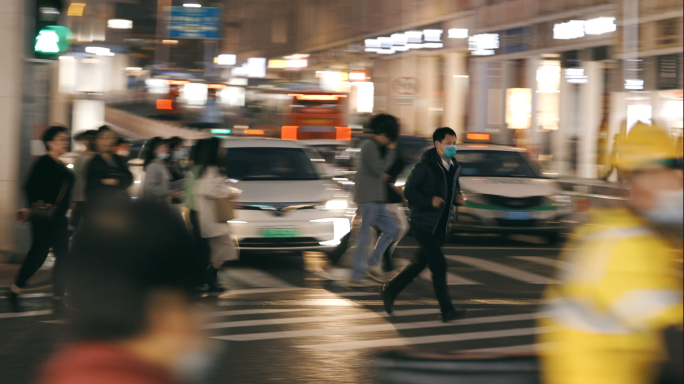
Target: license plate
x=517, y=215
x=279, y=232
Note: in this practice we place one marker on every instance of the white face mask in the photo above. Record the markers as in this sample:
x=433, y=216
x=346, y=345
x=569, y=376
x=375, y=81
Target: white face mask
x=123, y=153
x=668, y=209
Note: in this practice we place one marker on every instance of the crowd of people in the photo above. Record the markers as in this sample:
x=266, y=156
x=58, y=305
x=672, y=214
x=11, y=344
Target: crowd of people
x=616, y=317
x=182, y=181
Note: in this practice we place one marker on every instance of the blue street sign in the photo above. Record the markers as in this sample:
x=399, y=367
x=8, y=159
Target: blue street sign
x=193, y=23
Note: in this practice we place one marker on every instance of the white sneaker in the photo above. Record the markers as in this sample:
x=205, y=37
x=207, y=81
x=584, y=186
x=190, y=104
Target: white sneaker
x=334, y=274
x=359, y=283
x=376, y=274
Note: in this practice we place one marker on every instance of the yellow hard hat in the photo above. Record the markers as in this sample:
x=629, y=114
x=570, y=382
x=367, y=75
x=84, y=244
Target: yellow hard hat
x=646, y=147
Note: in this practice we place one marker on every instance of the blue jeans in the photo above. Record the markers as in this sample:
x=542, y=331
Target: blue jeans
x=373, y=215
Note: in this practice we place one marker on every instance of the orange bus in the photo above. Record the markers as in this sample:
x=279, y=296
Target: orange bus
x=300, y=115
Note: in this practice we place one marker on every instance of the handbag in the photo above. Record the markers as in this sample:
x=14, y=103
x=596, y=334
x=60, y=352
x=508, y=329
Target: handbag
x=224, y=209
x=42, y=211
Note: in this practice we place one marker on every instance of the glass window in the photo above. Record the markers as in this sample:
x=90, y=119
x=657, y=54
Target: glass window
x=495, y=164
x=269, y=164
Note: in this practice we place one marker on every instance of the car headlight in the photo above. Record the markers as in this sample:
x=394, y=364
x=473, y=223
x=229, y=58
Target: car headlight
x=564, y=199
x=336, y=204
x=474, y=198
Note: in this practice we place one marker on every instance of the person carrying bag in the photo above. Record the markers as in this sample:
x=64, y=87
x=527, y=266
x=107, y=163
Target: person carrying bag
x=48, y=194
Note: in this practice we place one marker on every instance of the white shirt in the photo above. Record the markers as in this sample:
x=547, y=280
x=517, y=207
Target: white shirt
x=448, y=165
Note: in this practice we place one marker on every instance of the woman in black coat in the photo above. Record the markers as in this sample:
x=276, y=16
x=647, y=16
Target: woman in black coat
x=48, y=190
x=108, y=175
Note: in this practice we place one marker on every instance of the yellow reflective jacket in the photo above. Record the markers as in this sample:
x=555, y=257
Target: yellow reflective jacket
x=619, y=287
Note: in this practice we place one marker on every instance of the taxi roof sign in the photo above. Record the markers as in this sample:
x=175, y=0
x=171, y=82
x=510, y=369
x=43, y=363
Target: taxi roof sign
x=478, y=137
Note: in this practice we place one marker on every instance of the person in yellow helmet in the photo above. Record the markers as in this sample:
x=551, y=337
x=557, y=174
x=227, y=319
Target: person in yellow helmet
x=604, y=322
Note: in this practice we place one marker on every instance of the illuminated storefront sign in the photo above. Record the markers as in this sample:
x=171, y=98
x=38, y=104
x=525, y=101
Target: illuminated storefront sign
x=518, y=108
x=575, y=29
x=194, y=23
x=483, y=44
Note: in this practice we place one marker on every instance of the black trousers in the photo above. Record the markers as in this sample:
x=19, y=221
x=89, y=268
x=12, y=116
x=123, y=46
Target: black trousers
x=77, y=213
x=47, y=234
x=430, y=255
x=202, y=251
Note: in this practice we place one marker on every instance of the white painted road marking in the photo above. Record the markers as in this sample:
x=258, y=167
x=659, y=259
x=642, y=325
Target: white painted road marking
x=546, y=261
x=24, y=314
x=452, y=279
x=503, y=270
x=436, y=339
x=251, y=312
x=373, y=328
x=317, y=319
x=254, y=278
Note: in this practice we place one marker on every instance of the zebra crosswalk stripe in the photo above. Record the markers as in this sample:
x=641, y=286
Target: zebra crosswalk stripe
x=452, y=279
x=545, y=261
x=254, y=278
x=503, y=270
x=317, y=319
x=436, y=339
x=373, y=328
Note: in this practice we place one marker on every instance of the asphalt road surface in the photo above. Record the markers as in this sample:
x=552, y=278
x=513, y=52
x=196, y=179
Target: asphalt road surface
x=281, y=323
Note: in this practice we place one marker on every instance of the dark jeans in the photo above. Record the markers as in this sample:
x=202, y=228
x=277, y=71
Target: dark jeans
x=338, y=252
x=47, y=234
x=430, y=255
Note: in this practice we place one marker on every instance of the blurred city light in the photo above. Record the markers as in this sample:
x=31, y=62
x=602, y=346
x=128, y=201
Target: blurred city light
x=226, y=59
x=483, y=44
x=600, y=26
x=576, y=76
x=573, y=29
x=458, y=33
x=76, y=9
x=120, y=24
x=433, y=35
x=99, y=51
x=634, y=84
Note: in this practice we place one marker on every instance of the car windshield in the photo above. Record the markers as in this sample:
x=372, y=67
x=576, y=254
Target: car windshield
x=495, y=164
x=259, y=163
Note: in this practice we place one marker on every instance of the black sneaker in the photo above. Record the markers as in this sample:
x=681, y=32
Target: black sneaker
x=61, y=306
x=215, y=288
x=454, y=314
x=13, y=299
x=387, y=299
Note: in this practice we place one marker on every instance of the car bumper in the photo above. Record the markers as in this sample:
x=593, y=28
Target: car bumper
x=309, y=230
x=473, y=220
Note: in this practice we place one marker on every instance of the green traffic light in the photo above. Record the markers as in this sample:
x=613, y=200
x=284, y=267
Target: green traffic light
x=53, y=39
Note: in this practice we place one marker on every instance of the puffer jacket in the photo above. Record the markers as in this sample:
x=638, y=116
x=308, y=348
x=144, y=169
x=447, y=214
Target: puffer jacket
x=427, y=180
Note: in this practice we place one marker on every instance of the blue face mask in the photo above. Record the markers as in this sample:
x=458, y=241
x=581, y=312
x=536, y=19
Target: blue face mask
x=449, y=151
x=163, y=156
x=183, y=153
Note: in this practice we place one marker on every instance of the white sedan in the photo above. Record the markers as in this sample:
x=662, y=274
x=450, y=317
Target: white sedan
x=287, y=204
x=506, y=193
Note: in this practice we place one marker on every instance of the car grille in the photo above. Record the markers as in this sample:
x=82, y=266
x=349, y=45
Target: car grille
x=281, y=242
x=515, y=202
x=276, y=207
x=516, y=223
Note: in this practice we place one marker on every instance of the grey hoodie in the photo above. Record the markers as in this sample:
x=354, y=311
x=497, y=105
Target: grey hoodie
x=369, y=185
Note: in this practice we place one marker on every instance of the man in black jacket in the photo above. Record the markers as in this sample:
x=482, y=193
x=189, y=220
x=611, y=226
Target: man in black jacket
x=432, y=189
